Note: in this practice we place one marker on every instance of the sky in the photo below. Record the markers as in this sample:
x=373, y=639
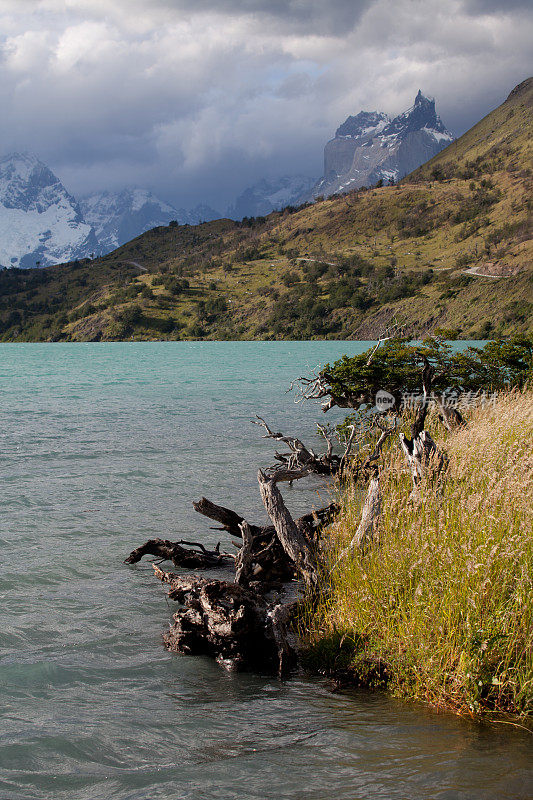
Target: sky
x=198, y=99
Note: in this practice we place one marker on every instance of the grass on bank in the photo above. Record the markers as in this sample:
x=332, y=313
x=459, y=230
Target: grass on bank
x=441, y=607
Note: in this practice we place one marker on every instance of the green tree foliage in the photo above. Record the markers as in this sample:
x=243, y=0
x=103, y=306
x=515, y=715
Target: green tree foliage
x=396, y=367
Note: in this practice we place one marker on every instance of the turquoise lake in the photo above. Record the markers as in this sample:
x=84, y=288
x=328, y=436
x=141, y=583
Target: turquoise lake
x=103, y=447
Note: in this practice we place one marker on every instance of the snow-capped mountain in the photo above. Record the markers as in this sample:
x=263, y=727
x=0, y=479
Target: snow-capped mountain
x=40, y=222
x=270, y=195
x=371, y=147
x=118, y=217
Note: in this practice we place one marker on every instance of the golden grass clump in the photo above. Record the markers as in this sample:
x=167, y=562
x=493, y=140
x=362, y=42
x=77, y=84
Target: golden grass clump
x=442, y=602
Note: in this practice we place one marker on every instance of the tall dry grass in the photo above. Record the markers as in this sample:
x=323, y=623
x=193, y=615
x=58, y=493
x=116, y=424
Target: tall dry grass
x=441, y=606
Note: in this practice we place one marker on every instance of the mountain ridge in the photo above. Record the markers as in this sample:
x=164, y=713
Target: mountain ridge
x=449, y=248
x=267, y=195
x=118, y=217
x=42, y=224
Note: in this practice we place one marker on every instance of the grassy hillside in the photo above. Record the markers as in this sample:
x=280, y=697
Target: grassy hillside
x=442, y=610
x=450, y=247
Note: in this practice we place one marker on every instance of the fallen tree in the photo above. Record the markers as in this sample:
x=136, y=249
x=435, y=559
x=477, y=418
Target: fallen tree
x=244, y=623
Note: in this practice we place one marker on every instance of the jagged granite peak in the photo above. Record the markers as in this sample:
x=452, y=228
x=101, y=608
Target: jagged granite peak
x=360, y=155
x=270, y=195
x=421, y=116
x=40, y=222
x=118, y=217
x=363, y=125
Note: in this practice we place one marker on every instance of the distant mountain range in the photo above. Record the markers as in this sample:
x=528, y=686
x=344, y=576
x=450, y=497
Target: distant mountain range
x=448, y=251
x=118, y=217
x=270, y=195
x=42, y=224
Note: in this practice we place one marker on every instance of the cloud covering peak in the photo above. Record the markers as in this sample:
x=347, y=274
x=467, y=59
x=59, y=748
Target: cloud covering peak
x=197, y=100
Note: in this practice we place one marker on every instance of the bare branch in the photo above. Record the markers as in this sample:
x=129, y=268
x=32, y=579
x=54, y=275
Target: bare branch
x=302, y=460
x=181, y=556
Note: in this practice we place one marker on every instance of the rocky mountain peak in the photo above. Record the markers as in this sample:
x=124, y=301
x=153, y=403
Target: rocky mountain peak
x=40, y=222
x=421, y=115
x=362, y=125
x=26, y=183
x=371, y=147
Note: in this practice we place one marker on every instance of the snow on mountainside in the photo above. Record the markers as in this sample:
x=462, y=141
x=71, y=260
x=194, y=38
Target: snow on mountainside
x=371, y=147
x=42, y=224
x=39, y=220
x=270, y=195
x=363, y=125
x=118, y=217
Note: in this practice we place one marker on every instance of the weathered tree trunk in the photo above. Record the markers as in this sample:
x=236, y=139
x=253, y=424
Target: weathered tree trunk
x=369, y=517
x=230, y=520
x=367, y=527
x=422, y=453
x=244, y=564
x=291, y=538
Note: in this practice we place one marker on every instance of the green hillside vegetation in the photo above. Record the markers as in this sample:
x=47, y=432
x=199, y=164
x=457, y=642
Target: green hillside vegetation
x=449, y=248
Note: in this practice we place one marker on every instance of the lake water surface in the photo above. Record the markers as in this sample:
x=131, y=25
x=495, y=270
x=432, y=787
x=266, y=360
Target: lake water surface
x=103, y=447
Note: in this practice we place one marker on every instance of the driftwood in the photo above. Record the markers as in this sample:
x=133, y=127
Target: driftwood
x=263, y=557
x=245, y=623
x=198, y=558
x=244, y=563
x=291, y=537
x=230, y=623
x=302, y=460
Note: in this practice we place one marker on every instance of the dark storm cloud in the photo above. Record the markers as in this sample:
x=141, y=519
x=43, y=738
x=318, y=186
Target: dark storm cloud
x=496, y=6
x=196, y=100
x=333, y=17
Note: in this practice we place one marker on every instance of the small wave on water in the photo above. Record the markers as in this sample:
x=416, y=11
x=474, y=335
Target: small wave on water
x=105, y=446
